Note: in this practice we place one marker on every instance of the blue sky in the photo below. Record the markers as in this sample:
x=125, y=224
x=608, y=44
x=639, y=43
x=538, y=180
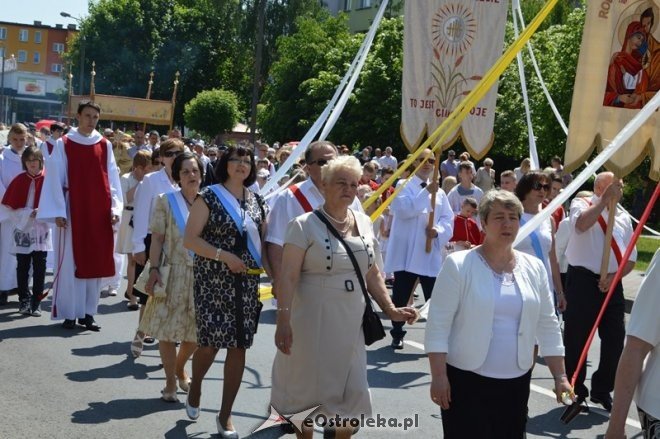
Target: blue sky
x=46, y=11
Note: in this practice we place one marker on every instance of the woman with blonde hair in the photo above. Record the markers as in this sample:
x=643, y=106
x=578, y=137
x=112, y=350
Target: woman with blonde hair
x=524, y=168
x=321, y=357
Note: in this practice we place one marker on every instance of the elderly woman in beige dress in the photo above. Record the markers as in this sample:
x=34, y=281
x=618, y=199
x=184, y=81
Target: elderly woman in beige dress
x=321, y=357
x=172, y=318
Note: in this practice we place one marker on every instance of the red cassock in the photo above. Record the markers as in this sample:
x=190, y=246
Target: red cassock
x=466, y=229
x=90, y=208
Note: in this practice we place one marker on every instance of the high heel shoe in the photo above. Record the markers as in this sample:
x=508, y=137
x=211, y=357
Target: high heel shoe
x=192, y=412
x=184, y=384
x=227, y=434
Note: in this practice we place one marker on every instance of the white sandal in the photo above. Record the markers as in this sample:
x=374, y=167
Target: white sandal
x=137, y=344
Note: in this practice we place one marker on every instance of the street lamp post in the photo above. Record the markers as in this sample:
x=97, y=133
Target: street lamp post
x=81, y=79
x=2, y=87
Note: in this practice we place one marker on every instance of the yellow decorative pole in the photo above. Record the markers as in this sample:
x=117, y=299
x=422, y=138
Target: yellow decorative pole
x=176, y=86
x=150, y=83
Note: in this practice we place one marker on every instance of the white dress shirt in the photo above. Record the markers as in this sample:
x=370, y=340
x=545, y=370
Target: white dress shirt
x=286, y=207
x=388, y=162
x=461, y=314
x=406, y=248
x=149, y=188
x=585, y=249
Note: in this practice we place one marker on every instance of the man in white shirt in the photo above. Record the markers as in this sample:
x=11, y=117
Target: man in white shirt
x=642, y=343
x=297, y=200
x=262, y=153
x=388, y=160
x=465, y=188
x=406, y=254
x=585, y=292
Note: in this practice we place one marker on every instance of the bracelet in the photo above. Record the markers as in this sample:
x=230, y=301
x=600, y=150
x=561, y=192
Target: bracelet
x=154, y=268
x=283, y=309
x=560, y=376
x=217, y=254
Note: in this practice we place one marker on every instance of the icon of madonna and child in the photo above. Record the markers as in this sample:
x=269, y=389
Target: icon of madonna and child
x=633, y=77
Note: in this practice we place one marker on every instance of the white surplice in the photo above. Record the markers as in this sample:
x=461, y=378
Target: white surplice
x=10, y=167
x=72, y=297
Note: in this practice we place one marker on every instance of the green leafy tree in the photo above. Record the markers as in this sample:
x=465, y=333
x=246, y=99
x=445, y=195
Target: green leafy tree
x=212, y=112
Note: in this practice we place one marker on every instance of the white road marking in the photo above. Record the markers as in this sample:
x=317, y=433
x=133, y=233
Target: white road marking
x=549, y=393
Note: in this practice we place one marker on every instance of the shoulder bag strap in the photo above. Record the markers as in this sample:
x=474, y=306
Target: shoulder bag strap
x=354, y=261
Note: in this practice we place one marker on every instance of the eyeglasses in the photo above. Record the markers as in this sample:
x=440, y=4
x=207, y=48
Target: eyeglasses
x=430, y=161
x=171, y=154
x=319, y=162
x=33, y=160
x=538, y=186
x=245, y=161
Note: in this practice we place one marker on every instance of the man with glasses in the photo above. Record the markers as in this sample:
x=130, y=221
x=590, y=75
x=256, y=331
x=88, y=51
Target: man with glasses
x=297, y=200
x=406, y=254
x=262, y=153
x=82, y=195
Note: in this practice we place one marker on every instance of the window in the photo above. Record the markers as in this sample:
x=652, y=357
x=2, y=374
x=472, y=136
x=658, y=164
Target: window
x=22, y=56
x=36, y=57
x=37, y=37
x=58, y=47
x=347, y=5
x=2, y=52
x=364, y=4
x=23, y=35
x=56, y=68
x=3, y=33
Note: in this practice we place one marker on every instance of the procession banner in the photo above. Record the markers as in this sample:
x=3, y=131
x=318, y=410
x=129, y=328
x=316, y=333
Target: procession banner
x=129, y=109
x=618, y=73
x=449, y=45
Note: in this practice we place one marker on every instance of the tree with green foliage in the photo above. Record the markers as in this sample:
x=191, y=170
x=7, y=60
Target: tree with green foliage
x=213, y=112
x=210, y=42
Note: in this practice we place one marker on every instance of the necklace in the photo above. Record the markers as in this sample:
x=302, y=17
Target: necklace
x=504, y=278
x=342, y=222
x=186, y=200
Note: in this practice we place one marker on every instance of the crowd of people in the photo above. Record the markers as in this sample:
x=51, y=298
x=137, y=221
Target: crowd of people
x=191, y=228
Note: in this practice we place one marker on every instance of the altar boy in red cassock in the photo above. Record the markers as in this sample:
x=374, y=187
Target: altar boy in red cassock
x=82, y=195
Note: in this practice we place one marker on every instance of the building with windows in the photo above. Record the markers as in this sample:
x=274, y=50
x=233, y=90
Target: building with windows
x=361, y=13
x=32, y=80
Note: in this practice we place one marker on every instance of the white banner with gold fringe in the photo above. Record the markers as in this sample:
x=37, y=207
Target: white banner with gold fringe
x=448, y=47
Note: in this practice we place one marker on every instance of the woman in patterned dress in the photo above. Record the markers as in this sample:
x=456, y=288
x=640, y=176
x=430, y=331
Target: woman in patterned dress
x=172, y=318
x=226, y=295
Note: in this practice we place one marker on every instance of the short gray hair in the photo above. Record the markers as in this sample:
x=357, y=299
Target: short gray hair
x=507, y=199
x=344, y=163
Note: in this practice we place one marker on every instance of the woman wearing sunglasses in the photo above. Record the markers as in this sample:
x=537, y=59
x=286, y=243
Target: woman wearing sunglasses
x=224, y=231
x=531, y=190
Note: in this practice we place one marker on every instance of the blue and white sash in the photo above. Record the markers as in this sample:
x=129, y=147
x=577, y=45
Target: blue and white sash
x=233, y=208
x=180, y=211
x=536, y=242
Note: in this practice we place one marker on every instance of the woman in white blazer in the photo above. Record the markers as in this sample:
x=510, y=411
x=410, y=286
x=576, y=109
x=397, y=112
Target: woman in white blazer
x=490, y=306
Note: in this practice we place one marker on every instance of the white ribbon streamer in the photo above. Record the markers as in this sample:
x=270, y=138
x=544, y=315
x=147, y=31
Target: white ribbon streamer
x=342, y=93
x=534, y=156
x=368, y=39
x=644, y=114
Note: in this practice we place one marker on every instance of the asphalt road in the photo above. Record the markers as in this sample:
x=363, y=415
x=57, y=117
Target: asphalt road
x=58, y=383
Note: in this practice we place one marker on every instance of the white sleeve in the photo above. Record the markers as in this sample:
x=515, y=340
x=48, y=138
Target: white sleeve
x=444, y=220
x=52, y=202
x=454, y=201
x=443, y=308
x=278, y=219
x=644, y=322
x=141, y=208
x=116, y=195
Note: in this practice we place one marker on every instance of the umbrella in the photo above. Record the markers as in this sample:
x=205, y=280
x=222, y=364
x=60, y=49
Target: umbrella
x=45, y=123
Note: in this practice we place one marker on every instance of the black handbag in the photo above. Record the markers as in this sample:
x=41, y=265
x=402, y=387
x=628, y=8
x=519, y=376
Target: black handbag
x=371, y=324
